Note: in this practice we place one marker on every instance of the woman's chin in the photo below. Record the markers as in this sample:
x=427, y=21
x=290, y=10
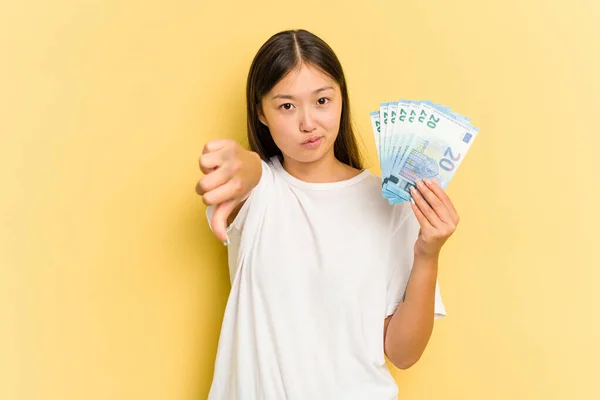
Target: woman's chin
x=313, y=156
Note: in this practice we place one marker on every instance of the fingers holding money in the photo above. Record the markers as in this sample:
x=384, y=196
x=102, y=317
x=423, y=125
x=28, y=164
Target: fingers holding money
x=432, y=207
x=417, y=204
x=434, y=187
x=436, y=215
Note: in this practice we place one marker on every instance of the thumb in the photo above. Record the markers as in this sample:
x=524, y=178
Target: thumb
x=219, y=219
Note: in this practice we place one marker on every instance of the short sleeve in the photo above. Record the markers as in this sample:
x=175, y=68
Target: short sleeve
x=401, y=260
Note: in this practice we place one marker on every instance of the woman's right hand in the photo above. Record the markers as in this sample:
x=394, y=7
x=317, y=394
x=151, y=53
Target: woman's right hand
x=231, y=172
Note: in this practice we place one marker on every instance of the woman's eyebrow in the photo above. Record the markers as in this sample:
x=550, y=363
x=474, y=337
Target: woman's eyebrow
x=290, y=97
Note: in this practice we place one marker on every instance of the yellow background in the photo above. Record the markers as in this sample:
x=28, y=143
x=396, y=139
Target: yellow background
x=111, y=284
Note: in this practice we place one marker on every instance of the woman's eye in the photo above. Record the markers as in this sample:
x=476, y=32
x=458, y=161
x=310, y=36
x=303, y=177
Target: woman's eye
x=286, y=106
x=322, y=100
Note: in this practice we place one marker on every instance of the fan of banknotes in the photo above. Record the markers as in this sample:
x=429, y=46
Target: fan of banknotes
x=416, y=140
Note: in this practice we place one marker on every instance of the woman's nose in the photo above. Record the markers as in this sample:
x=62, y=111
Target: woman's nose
x=307, y=122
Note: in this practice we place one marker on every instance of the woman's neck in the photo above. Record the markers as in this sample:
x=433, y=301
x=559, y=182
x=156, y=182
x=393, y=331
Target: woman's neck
x=325, y=170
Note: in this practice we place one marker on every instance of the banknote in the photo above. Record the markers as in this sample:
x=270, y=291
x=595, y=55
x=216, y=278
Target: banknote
x=419, y=139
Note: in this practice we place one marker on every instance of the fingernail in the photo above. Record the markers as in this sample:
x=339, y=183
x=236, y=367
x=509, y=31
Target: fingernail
x=226, y=242
x=427, y=181
x=419, y=183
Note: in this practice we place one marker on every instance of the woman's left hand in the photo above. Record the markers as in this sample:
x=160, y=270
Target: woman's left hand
x=436, y=215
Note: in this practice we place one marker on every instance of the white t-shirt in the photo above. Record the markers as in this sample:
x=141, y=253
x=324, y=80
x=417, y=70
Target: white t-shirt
x=315, y=269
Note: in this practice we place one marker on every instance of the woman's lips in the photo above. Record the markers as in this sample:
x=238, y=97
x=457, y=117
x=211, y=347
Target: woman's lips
x=312, y=142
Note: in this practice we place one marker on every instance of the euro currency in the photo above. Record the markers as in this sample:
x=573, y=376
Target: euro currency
x=417, y=140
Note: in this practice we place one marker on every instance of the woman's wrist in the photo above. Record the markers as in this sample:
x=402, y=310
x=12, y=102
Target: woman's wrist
x=425, y=260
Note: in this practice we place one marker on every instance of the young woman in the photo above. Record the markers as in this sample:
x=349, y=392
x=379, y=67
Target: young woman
x=319, y=261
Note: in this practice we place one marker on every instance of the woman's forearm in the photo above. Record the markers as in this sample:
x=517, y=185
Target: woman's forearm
x=411, y=325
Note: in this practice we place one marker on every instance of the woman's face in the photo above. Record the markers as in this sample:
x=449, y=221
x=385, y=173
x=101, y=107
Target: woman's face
x=303, y=113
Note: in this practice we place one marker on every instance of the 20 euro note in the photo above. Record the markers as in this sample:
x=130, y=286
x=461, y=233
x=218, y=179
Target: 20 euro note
x=381, y=123
x=415, y=119
x=376, y=125
x=392, y=109
x=397, y=134
x=407, y=134
x=394, y=141
x=408, y=131
x=440, y=142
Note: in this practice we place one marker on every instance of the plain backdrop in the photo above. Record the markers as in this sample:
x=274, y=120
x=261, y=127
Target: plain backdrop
x=111, y=284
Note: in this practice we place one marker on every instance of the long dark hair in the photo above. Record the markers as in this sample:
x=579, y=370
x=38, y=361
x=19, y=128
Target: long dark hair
x=279, y=55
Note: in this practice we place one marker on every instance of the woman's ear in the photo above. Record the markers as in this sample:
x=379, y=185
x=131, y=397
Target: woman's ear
x=261, y=117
